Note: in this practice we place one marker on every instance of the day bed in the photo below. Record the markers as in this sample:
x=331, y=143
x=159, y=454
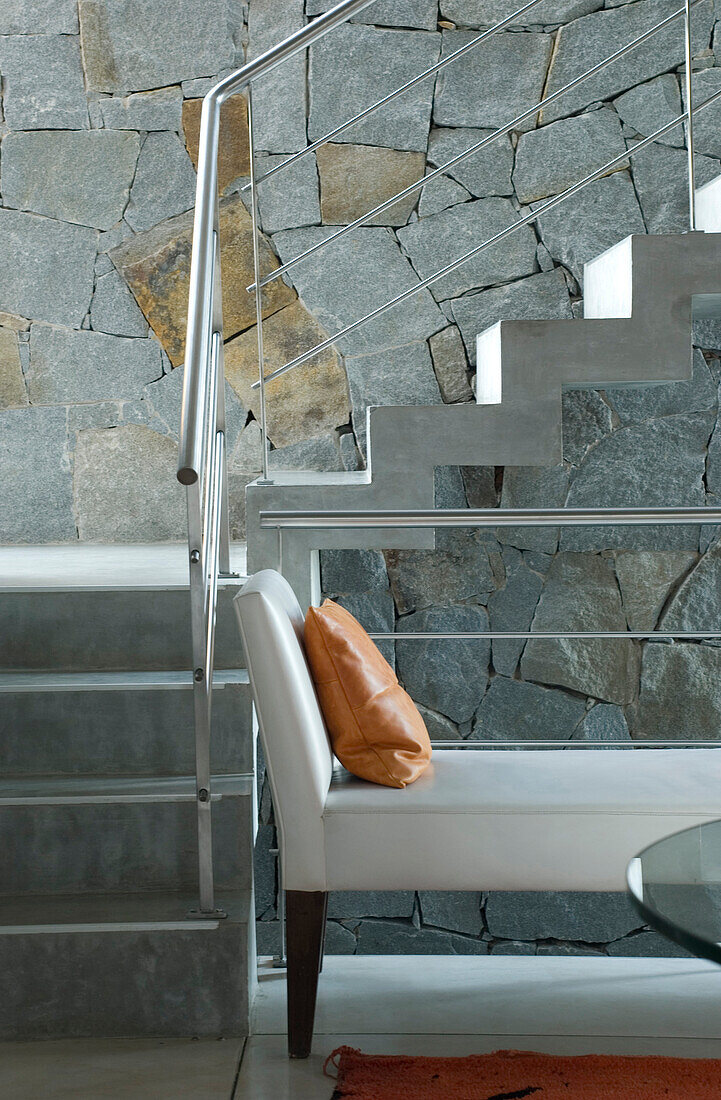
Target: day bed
x=485, y=819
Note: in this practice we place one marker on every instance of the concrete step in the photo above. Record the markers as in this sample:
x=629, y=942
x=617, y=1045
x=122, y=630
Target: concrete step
x=76, y=836
x=119, y=723
x=127, y=965
x=94, y=608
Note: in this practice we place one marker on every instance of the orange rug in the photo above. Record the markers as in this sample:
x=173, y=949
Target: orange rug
x=515, y=1074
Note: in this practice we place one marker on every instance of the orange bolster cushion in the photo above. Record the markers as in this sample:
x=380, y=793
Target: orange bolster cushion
x=375, y=728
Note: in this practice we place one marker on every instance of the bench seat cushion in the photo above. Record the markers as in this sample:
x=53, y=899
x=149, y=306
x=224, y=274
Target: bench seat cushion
x=503, y=820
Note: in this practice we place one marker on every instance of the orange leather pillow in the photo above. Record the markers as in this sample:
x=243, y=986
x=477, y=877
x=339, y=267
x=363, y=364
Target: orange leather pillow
x=375, y=728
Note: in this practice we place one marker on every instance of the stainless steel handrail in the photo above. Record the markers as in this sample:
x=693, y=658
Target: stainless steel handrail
x=569, y=743
x=535, y=635
x=483, y=143
x=202, y=452
x=489, y=517
x=526, y=219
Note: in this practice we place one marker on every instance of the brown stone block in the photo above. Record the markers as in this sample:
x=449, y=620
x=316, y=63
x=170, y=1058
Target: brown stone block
x=306, y=402
x=156, y=267
x=356, y=178
x=233, y=142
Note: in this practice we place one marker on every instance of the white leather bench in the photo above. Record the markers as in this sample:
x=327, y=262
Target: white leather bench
x=475, y=820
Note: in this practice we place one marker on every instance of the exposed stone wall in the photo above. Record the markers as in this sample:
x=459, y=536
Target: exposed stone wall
x=99, y=141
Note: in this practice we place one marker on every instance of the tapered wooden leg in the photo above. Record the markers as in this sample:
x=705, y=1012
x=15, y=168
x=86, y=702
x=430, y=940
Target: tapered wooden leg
x=305, y=918
x=325, y=929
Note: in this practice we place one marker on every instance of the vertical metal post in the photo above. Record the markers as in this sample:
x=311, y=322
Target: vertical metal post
x=689, y=117
x=280, y=961
x=258, y=289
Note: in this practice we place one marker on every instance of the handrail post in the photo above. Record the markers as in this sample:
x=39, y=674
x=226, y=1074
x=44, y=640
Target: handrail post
x=689, y=117
x=258, y=290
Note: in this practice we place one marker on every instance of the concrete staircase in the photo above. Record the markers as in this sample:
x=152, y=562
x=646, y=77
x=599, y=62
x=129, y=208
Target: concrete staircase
x=98, y=871
x=640, y=298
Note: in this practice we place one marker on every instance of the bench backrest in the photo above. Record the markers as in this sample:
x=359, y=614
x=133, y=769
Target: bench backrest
x=292, y=731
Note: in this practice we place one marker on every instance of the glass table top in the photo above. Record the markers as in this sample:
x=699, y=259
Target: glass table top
x=676, y=886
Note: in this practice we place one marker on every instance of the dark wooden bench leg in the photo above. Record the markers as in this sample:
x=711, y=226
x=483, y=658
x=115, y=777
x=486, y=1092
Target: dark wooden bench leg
x=325, y=929
x=305, y=919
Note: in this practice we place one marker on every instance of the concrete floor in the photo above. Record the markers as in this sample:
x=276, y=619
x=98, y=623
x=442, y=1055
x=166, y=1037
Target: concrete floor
x=417, y=1005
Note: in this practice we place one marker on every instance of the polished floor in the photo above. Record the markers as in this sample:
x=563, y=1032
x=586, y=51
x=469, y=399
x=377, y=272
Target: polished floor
x=418, y=1005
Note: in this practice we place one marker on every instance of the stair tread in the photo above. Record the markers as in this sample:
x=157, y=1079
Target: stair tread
x=112, y=681
x=94, y=568
x=78, y=911
x=58, y=791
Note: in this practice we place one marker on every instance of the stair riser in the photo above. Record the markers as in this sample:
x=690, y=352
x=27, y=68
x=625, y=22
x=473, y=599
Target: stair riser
x=123, y=733
x=96, y=631
x=103, y=984
x=97, y=848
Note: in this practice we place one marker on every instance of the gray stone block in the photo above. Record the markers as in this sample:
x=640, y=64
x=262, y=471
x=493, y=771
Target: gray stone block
x=354, y=276
x=439, y=727
x=646, y=578
x=533, y=487
x=164, y=398
x=458, y=569
x=48, y=267
x=706, y=123
x=540, y=297
x=157, y=110
x=114, y=310
x=494, y=84
x=125, y=486
x=43, y=85
x=587, y=418
x=36, y=503
x=487, y=172
x=439, y=194
x=434, y=242
x=659, y=463
x=665, y=209
x=339, y=940
x=457, y=911
x=355, y=179
x=679, y=696
x=397, y=376
x=382, y=937
x=320, y=453
x=586, y=41
x=42, y=17
x=353, y=571
x=290, y=199
x=694, y=605
x=265, y=883
x=349, y=454
x=649, y=106
x=580, y=593
x=484, y=13
x=68, y=365
x=422, y=14
x=572, y=950
x=13, y=392
x=647, y=945
x=537, y=915
x=512, y=947
x=512, y=608
x=343, y=904
x=358, y=65
x=551, y=159
x=164, y=183
x=636, y=403
x=480, y=485
x=596, y=218
x=450, y=365
x=603, y=722
x=280, y=98
x=447, y=676
x=162, y=44
x=512, y=710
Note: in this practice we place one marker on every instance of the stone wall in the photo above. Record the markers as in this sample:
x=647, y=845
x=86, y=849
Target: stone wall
x=99, y=141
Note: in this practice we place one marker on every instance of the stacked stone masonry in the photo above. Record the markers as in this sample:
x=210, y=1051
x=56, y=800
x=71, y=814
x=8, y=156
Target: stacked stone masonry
x=100, y=126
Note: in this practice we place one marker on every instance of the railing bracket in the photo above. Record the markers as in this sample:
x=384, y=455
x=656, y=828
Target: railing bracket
x=202, y=914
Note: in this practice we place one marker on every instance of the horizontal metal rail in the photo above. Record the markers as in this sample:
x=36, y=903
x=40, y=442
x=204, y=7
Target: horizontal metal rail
x=491, y=517
x=479, y=145
x=532, y=216
x=536, y=635
x=410, y=84
x=686, y=743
